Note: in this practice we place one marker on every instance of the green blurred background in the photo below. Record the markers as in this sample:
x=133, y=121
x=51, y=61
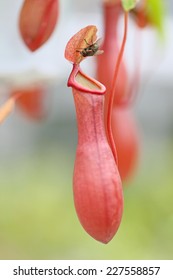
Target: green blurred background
x=37, y=215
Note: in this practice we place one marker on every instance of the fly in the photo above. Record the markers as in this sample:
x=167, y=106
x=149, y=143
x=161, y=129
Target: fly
x=92, y=49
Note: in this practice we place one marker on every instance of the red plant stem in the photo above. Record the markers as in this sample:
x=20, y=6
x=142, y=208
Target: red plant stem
x=111, y=98
x=135, y=81
x=134, y=85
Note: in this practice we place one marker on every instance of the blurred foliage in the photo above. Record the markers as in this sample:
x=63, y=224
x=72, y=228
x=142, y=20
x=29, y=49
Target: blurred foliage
x=38, y=219
x=156, y=13
x=129, y=4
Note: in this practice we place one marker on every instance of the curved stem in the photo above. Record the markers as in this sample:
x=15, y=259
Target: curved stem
x=111, y=98
x=135, y=80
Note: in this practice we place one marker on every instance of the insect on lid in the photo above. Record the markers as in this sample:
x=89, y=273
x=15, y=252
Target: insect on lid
x=80, y=41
